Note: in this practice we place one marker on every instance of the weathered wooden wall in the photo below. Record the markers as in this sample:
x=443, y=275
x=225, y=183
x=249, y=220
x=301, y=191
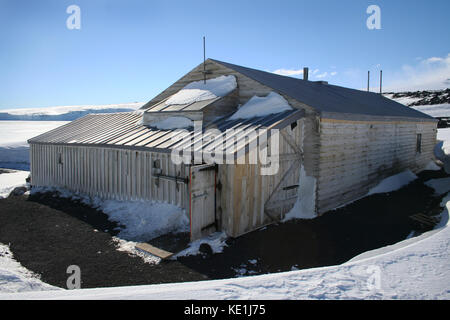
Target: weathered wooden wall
x=244, y=190
x=356, y=155
x=109, y=173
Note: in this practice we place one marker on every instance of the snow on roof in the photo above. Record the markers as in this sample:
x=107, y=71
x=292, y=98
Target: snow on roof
x=199, y=90
x=262, y=106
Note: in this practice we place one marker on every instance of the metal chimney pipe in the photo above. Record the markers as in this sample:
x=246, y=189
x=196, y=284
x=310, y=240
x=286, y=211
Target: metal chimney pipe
x=381, y=81
x=368, y=80
x=305, y=73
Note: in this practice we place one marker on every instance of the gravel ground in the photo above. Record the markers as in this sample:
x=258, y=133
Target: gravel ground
x=47, y=234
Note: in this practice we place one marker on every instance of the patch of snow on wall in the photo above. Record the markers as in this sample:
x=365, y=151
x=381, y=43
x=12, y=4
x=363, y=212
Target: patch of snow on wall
x=394, y=182
x=199, y=91
x=305, y=206
x=262, y=106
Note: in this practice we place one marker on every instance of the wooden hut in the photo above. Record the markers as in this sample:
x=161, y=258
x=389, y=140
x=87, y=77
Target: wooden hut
x=333, y=146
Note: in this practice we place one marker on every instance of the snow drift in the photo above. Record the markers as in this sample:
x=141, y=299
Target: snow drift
x=141, y=220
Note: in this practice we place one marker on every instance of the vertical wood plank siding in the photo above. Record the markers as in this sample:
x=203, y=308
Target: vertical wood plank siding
x=108, y=173
x=356, y=155
x=241, y=202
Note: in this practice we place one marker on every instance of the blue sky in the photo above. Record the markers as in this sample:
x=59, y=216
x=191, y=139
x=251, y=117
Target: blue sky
x=129, y=51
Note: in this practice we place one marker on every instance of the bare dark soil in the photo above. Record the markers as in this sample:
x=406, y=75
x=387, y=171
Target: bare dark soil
x=47, y=234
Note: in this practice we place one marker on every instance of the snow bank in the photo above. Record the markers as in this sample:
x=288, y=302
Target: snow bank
x=394, y=182
x=142, y=220
x=11, y=180
x=262, y=106
x=173, y=123
x=65, y=113
x=199, y=91
x=15, y=278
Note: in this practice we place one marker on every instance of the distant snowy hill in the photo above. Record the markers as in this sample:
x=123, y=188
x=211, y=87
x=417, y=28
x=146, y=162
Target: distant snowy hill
x=435, y=103
x=65, y=113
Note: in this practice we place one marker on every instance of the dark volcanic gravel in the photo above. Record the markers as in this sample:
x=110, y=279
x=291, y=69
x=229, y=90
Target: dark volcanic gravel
x=47, y=234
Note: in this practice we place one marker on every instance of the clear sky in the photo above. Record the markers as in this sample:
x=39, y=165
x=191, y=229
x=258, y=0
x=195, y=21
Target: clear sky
x=129, y=51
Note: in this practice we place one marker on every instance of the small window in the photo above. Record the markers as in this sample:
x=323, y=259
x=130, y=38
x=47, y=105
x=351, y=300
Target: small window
x=293, y=125
x=419, y=143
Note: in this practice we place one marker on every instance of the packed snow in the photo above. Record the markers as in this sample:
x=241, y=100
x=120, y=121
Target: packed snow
x=262, y=106
x=199, y=90
x=394, y=182
x=11, y=180
x=15, y=278
x=173, y=123
x=64, y=113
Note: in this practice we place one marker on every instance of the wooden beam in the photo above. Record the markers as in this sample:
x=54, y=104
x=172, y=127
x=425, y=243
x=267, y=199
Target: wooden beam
x=148, y=248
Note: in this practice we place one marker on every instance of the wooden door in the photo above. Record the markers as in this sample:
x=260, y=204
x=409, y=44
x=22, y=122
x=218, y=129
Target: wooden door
x=202, y=200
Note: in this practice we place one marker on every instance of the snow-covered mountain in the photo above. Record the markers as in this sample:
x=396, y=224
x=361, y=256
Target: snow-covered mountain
x=65, y=113
x=435, y=103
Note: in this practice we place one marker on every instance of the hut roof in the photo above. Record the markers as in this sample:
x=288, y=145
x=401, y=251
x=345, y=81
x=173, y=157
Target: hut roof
x=125, y=130
x=329, y=98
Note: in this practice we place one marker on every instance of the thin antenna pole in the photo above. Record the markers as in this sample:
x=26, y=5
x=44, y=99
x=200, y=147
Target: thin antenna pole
x=368, y=79
x=381, y=81
x=204, y=59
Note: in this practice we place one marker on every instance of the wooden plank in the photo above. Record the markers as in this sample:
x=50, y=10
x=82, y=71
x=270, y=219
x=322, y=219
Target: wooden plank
x=148, y=248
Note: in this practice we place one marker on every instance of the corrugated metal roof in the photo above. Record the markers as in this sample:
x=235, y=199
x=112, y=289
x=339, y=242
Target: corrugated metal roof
x=329, y=98
x=125, y=130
